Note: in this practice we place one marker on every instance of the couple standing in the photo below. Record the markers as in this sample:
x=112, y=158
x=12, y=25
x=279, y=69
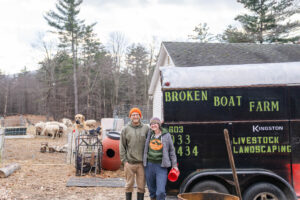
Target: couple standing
x=150, y=148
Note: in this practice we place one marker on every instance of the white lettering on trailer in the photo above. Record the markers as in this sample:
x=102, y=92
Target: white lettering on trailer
x=257, y=128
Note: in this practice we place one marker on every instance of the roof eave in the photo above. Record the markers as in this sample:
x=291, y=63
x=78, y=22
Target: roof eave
x=162, y=54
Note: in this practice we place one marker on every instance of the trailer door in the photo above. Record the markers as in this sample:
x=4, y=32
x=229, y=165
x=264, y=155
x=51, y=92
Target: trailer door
x=294, y=94
x=295, y=141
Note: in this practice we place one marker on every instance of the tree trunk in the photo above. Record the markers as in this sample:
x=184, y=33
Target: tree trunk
x=8, y=170
x=6, y=99
x=261, y=24
x=48, y=104
x=52, y=93
x=117, y=82
x=74, y=75
x=104, y=104
x=88, y=96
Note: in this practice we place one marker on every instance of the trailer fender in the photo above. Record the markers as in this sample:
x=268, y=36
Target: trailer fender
x=196, y=176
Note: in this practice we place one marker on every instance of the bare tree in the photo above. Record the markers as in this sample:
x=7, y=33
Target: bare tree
x=4, y=92
x=117, y=45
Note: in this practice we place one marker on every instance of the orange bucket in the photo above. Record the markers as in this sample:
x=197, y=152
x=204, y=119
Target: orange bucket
x=111, y=156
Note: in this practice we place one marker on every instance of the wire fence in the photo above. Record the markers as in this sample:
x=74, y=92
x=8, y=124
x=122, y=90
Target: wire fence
x=122, y=111
x=19, y=120
x=21, y=125
x=13, y=126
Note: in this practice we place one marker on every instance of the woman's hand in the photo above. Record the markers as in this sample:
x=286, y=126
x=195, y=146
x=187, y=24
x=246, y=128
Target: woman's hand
x=176, y=168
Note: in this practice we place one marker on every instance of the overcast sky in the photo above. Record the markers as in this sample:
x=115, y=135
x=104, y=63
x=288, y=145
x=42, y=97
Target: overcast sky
x=23, y=26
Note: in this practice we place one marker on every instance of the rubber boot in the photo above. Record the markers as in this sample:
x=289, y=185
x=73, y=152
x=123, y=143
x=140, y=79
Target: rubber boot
x=140, y=196
x=128, y=195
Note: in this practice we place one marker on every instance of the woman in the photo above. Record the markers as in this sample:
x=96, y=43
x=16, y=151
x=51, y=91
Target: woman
x=159, y=155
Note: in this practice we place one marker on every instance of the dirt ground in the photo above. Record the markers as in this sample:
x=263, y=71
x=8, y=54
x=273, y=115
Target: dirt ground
x=44, y=175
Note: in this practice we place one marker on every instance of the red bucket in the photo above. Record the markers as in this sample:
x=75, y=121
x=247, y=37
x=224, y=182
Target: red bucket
x=173, y=175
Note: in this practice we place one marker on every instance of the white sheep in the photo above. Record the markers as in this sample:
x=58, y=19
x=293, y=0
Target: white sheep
x=39, y=128
x=67, y=122
x=90, y=124
x=51, y=129
x=62, y=128
x=52, y=123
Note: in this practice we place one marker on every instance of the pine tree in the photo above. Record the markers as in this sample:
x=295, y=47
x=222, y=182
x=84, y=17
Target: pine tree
x=233, y=35
x=202, y=33
x=69, y=29
x=270, y=21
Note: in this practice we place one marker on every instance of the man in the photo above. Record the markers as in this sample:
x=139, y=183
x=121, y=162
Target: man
x=132, y=143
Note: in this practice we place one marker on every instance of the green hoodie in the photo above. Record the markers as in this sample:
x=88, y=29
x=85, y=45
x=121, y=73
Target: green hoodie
x=132, y=143
x=155, y=151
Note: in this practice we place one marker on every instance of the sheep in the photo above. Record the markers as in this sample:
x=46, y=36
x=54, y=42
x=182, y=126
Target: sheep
x=62, y=127
x=92, y=127
x=52, y=123
x=39, y=128
x=91, y=124
x=51, y=129
x=67, y=122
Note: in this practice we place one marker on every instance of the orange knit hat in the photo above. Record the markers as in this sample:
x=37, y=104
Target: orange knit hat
x=135, y=110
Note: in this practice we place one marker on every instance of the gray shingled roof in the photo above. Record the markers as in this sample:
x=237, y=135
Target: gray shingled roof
x=188, y=54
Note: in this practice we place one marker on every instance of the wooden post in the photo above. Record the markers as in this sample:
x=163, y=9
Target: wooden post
x=2, y=137
x=69, y=151
x=8, y=170
x=231, y=160
x=71, y=146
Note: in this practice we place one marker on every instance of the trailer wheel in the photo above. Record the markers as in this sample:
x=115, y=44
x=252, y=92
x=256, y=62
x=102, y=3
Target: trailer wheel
x=210, y=186
x=265, y=191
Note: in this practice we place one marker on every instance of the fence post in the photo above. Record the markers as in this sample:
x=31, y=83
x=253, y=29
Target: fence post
x=69, y=151
x=71, y=146
x=2, y=138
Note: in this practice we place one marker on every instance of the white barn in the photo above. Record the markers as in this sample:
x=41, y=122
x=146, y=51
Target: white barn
x=206, y=65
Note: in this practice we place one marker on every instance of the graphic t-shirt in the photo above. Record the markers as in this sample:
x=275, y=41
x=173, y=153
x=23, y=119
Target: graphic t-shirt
x=155, y=149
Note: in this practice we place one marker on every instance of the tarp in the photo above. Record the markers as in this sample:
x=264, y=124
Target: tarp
x=231, y=75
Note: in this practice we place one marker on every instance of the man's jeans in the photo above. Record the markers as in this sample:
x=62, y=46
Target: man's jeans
x=156, y=178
